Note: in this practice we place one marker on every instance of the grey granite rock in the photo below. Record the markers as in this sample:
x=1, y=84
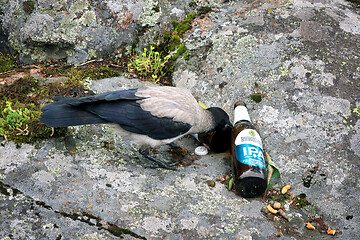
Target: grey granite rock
x=83, y=29
x=308, y=118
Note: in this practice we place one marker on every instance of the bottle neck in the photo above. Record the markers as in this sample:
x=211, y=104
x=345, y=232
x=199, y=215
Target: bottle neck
x=241, y=114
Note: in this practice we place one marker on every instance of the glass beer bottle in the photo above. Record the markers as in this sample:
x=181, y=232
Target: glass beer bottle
x=249, y=167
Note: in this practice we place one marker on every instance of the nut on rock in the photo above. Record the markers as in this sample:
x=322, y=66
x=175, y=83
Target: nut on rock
x=285, y=189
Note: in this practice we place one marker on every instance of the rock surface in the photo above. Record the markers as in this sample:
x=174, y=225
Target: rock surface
x=83, y=29
x=303, y=56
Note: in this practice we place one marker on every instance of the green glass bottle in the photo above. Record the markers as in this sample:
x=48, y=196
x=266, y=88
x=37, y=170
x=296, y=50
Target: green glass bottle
x=248, y=163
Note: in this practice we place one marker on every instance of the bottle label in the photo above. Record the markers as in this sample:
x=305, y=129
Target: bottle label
x=248, y=148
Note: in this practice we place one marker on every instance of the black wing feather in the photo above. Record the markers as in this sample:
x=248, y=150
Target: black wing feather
x=131, y=117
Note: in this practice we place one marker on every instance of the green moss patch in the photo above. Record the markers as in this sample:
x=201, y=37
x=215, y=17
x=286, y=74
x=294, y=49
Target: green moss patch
x=20, y=107
x=275, y=195
x=171, y=40
x=204, y=10
x=169, y=44
x=256, y=97
x=19, y=112
x=101, y=72
x=6, y=63
x=94, y=70
x=19, y=123
x=301, y=200
x=181, y=50
x=181, y=27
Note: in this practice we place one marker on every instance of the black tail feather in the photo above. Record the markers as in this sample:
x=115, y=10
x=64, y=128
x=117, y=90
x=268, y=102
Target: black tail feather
x=63, y=115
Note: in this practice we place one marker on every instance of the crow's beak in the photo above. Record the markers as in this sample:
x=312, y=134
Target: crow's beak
x=220, y=139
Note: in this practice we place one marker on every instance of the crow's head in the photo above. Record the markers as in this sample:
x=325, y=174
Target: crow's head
x=221, y=133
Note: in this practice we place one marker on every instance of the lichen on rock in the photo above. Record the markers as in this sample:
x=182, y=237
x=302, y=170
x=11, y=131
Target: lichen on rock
x=150, y=14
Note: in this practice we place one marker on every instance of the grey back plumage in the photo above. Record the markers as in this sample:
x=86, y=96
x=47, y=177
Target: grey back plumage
x=176, y=103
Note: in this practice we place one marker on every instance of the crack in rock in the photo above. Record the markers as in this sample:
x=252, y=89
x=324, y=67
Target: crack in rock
x=84, y=217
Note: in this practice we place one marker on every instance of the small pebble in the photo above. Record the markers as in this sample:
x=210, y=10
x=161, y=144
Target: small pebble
x=210, y=183
x=277, y=205
x=287, y=207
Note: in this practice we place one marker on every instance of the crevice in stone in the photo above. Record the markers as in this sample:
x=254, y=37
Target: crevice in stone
x=82, y=217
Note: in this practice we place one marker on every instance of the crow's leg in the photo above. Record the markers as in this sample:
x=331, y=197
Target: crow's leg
x=146, y=153
x=174, y=145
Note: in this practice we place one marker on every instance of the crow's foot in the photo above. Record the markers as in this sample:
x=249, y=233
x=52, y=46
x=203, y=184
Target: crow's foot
x=159, y=163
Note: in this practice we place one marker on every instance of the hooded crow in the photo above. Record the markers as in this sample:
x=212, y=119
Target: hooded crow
x=150, y=116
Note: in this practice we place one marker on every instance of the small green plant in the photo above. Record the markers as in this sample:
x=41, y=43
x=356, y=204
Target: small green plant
x=19, y=123
x=15, y=121
x=149, y=63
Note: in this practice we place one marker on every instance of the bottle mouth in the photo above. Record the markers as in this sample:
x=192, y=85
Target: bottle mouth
x=239, y=103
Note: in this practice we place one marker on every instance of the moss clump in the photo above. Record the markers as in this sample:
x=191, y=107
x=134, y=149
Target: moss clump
x=101, y=72
x=256, y=97
x=183, y=26
x=75, y=77
x=204, y=10
x=181, y=49
x=170, y=43
x=28, y=6
x=80, y=74
x=171, y=40
x=22, y=88
x=186, y=56
x=20, y=108
x=20, y=124
x=6, y=63
x=275, y=195
x=301, y=201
